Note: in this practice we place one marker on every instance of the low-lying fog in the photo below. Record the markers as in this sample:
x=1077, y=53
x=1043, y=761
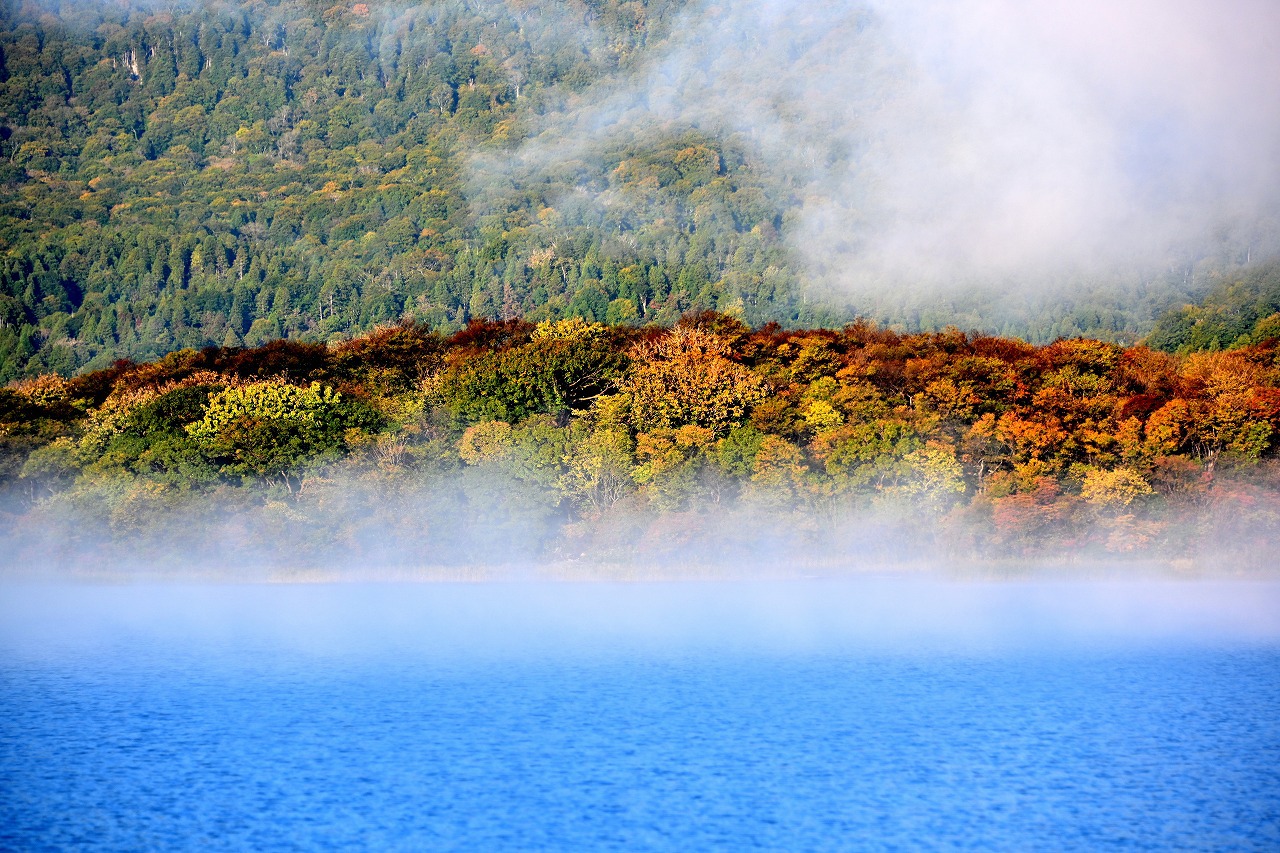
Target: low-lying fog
x=506, y=620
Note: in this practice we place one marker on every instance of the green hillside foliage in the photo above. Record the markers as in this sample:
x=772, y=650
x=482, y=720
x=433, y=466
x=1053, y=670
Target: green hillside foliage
x=215, y=175
x=191, y=175
x=1238, y=312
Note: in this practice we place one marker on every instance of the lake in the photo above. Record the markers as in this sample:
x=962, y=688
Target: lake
x=872, y=713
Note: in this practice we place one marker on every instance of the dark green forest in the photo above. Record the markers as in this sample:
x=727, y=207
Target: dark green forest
x=230, y=175
x=181, y=176
x=1239, y=311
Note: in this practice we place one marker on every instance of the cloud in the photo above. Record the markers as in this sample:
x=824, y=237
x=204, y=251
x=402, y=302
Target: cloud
x=973, y=141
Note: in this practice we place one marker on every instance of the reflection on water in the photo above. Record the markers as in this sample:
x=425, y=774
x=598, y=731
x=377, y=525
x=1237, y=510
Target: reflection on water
x=822, y=715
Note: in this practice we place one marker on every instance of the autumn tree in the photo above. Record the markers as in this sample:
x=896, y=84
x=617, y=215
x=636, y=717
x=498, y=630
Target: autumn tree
x=688, y=378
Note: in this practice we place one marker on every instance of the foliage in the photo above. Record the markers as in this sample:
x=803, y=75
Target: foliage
x=687, y=378
x=1002, y=447
x=213, y=175
x=560, y=368
x=1236, y=312
x=270, y=429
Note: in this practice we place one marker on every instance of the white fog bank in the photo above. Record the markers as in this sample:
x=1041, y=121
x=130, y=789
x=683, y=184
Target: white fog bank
x=505, y=620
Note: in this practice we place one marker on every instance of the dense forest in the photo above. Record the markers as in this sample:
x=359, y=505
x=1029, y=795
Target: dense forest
x=509, y=440
x=190, y=175
x=306, y=282
x=1239, y=311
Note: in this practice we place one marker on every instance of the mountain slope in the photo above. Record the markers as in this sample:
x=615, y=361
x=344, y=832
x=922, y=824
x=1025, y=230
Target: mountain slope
x=213, y=174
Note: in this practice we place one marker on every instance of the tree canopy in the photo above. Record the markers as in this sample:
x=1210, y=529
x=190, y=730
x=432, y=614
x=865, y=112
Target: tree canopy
x=568, y=435
x=226, y=175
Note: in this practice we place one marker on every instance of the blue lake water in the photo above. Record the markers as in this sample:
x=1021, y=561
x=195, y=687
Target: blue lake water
x=872, y=714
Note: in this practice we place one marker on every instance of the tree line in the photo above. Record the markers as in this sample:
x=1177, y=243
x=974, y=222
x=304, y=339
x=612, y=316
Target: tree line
x=570, y=437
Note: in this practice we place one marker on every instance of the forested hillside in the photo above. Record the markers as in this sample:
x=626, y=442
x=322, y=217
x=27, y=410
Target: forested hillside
x=1239, y=311
x=234, y=174
x=508, y=441
x=188, y=175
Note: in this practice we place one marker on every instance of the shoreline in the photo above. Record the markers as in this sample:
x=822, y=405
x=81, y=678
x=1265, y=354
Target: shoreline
x=587, y=572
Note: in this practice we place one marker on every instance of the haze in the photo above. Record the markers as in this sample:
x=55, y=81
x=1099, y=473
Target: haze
x=948, y=144
x=512, y=620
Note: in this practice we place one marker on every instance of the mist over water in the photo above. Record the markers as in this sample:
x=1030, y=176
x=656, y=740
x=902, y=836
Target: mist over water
x=872, y=614
x=640, y=716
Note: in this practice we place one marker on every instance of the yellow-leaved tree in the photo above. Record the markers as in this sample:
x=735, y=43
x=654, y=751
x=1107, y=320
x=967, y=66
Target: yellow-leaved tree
x=1114, y=489
x=269, y=429
x=688, y=378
